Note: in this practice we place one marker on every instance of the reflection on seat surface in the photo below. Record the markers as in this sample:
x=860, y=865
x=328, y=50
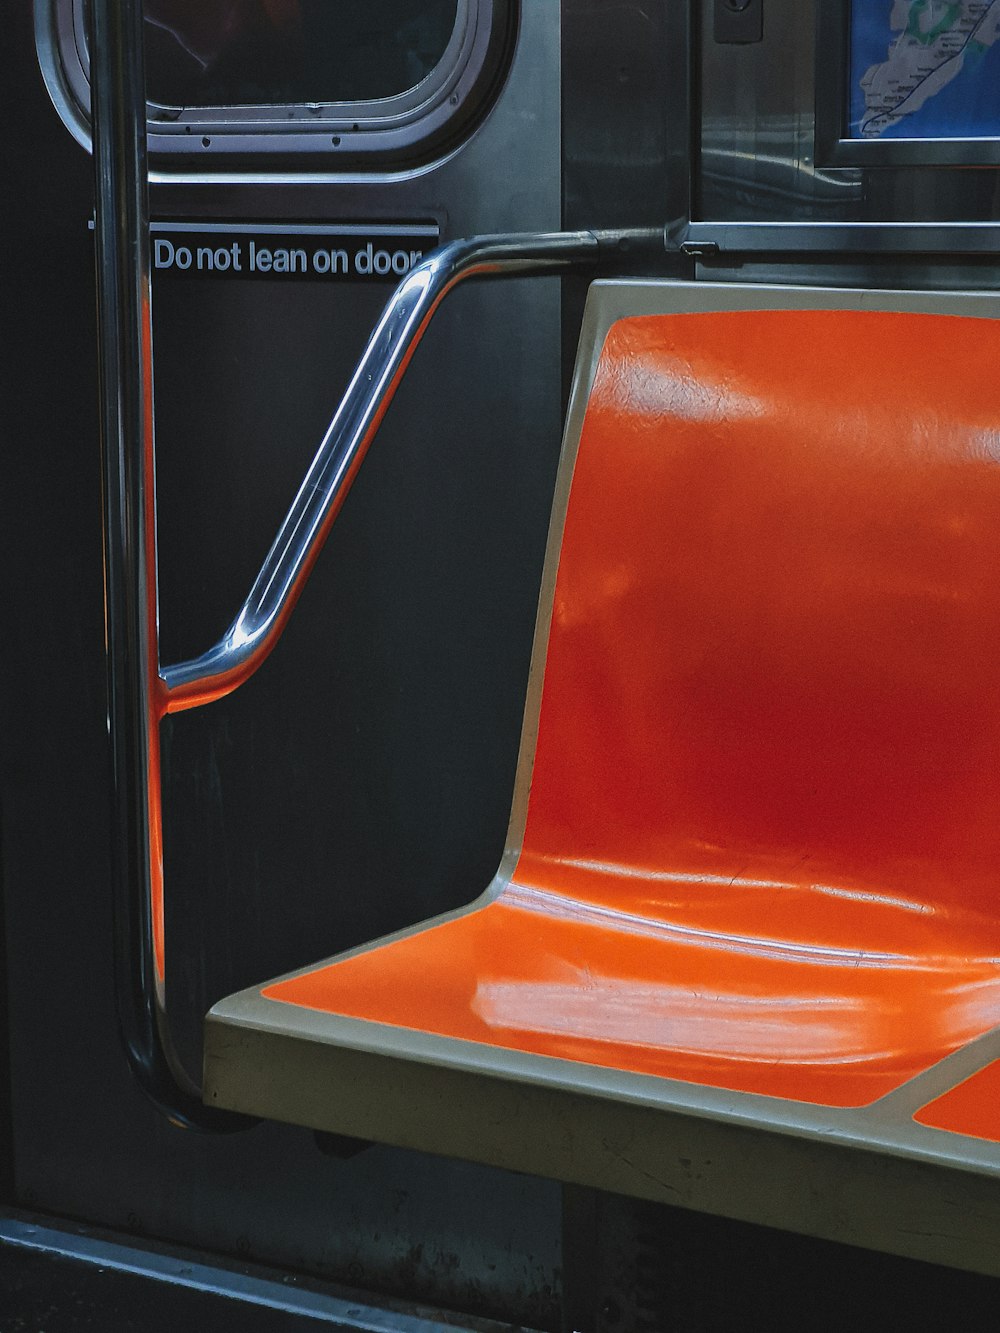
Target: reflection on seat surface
x=755, y=847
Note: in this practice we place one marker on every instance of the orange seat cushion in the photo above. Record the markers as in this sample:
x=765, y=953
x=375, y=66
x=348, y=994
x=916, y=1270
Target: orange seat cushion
x=972, y=1107
x=762, y=843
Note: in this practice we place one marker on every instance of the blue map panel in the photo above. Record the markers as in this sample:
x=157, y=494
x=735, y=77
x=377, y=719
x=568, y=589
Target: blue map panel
x=924, y=69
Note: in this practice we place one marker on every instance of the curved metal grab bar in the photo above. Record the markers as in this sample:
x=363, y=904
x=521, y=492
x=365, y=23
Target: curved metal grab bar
x=264, y=614
x=139, y=692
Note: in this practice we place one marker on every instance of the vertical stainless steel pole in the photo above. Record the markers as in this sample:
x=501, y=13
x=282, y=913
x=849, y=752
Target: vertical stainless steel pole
x=126, y=398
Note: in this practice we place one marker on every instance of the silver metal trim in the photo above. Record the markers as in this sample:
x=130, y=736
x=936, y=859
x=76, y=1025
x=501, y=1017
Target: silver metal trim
x=394, y=126
x=885, y=1125
x=249, y=1288
x=399, y=107
x=920, y=238
x=427, y=230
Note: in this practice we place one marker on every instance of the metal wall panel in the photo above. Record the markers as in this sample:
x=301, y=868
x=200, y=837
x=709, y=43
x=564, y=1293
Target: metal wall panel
x=755, y=162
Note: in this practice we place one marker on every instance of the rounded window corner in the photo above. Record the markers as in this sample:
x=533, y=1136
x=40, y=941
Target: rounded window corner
x=59, y=74
x=389, y=130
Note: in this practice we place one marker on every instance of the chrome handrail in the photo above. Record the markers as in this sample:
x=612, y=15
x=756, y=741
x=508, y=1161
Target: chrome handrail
x=140, y=692
x=265, y=612
x=125, y=372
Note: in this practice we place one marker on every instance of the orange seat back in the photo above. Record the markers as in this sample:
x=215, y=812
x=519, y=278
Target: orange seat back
x=774, y=654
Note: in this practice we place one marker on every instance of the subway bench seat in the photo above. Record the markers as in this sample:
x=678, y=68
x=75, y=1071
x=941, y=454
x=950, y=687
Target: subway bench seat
x=743, y=951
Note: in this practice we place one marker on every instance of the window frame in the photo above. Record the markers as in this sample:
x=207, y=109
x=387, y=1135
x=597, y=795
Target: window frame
x=414, y=125
x=836, y=147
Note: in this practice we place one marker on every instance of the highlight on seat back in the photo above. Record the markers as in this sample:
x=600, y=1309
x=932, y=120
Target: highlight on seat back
x=755, y=844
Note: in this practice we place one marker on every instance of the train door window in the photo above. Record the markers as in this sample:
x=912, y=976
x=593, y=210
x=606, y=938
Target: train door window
x=246, y=52
x=397, y=79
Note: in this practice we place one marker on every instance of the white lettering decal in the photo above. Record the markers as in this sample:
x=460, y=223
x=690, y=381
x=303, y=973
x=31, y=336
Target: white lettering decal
x=367, y=260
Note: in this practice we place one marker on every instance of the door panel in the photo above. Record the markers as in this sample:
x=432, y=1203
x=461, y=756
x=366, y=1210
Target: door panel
x=362, y=779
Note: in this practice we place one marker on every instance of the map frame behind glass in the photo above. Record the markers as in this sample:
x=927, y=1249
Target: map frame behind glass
x=908, y=82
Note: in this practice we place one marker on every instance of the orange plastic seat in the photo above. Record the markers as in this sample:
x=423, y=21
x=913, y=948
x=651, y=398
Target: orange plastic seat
x=754, y=859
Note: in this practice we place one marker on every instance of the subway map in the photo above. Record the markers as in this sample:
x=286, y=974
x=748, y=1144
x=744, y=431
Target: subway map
x=925, y=69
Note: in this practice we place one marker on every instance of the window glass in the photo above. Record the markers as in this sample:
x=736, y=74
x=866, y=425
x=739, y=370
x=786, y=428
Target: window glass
x=202, y=53
x=354, y=80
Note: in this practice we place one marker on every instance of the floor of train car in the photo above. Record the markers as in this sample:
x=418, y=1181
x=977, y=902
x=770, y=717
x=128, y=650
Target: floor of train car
x=63, y=1278
x=634, y=1268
